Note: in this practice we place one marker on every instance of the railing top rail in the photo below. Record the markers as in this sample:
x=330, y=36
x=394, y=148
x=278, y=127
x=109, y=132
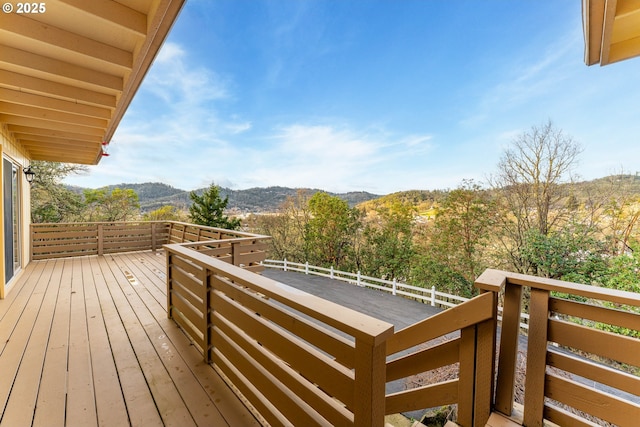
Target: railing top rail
x=371, y=330
x=216, y=229
x=213, y=242
x=186, y=224
x=49, y=224
x=494, y=280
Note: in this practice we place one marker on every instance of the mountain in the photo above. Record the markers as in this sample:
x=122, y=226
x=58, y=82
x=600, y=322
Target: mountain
x=153, y=195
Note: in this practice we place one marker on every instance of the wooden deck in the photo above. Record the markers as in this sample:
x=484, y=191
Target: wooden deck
x=86, y=341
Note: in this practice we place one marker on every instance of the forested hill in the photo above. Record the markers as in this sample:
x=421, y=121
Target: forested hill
x=154, y=195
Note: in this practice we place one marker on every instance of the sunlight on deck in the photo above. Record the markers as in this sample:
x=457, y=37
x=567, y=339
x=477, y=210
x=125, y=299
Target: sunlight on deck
x=86, y=341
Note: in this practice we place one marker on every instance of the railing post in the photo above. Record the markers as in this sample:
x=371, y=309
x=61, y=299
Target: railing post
x=485, y=366
x=235, y=253
x=153, y=236
x=433, y=296
x=169, y=278
x=536, y=357
x=32, y=233
x=395, y=286
x=467, y=375
x=306, y=267
x=331, y=272
x=370, y=381
x=359, y=276
x=284, y=265
x=508, y=349
x=206, y=310
x=100, y=239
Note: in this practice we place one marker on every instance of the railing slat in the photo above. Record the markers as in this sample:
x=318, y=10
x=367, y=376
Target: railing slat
x=331, y=409
x=606, y=344
x=595, y=371
x=606, y=315
x=250, y=392
x=424, y=360
x=560, y=417
x=591, y=401
x=312, y=364
x=430, y=396
x=337, y=346
x=296, y=410
x=475, y=311
x=536, y=360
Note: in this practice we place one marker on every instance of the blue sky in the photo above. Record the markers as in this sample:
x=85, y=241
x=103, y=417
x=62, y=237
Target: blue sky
x=380, y=96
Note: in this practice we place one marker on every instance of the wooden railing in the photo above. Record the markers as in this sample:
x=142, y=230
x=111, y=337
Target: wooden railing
x=566, y=345
x=95, y=238
x=278, y=345
x=57, y=240
x=301, y=360
x=467, y=337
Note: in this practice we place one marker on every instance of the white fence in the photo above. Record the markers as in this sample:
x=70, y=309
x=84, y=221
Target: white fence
x=427, y=295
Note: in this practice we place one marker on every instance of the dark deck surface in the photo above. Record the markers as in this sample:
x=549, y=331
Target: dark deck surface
x=398, y=311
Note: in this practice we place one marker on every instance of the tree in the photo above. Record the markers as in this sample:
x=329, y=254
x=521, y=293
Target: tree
x=530, y=179
x=117, y=205
x=208, y=209
x=621, y=213
x=330, y=230
x=167, y=213
x=388, y=241
x=287, y=228
x=50, y=200
x=567, y=254
x=455, y=249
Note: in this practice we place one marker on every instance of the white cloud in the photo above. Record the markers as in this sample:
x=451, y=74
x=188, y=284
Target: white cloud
x=176, y=131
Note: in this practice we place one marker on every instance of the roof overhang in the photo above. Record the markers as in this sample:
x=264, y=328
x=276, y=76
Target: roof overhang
x=611, y=30
x=69, y=72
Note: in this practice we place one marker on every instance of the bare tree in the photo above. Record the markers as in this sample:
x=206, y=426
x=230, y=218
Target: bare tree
x=531, y=179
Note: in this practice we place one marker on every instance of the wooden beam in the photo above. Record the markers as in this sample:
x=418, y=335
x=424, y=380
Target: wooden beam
x=24, y=98
x=37, y=139
x=33, y=62
x=37, y=123
x=593, y=18
x=624, y=50
x=120, y=15
x=52, y=133
x=41, y=32
x=52, y=115
x=46, y=151
x=59, y=90
x=607, y=30
x=626, y=28
x=66, y=158
x=64, y=145
x=628, y=7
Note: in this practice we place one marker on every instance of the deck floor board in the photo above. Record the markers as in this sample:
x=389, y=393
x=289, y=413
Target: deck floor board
x=25, y=390
x=87, y=341
x=52, y=394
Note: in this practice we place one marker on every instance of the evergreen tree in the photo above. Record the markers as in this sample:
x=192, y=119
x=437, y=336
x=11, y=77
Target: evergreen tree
x=208, y=209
